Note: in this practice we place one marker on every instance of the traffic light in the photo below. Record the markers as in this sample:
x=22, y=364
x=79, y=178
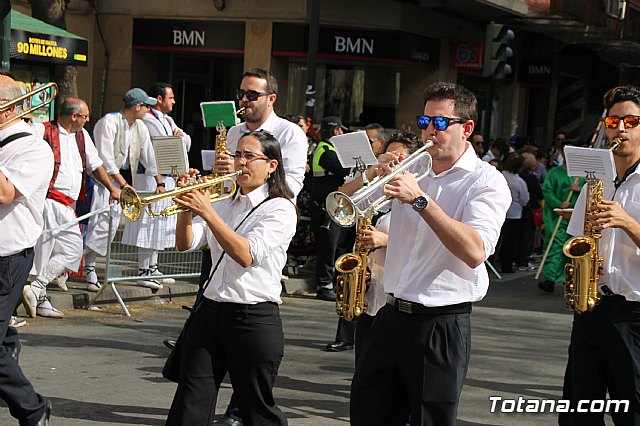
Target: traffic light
x=497, y=51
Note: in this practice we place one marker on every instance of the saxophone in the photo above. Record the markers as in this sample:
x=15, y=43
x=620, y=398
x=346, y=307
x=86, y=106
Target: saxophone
x=582, y=274
x=351, y=284
x=221, y=148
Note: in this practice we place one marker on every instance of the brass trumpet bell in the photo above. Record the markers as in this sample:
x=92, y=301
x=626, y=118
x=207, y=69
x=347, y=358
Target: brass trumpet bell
x=132, y=203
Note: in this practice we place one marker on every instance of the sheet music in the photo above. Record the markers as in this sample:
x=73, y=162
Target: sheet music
x=581, y=160
x=208, y=159
x=215, y=111
x=351, y=146
x=170, y=152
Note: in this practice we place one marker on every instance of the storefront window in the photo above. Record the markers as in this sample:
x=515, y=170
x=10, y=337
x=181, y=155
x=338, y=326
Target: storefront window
x=359, y=94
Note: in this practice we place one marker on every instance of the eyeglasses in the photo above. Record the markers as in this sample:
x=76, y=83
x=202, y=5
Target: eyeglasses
x=249, y=156
x=372, y=141
x=439, y=123
x=630, y=121
x=251, y=95
x=86, y=117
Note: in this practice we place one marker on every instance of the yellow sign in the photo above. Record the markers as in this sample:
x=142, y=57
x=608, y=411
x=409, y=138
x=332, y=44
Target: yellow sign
x=42, y=47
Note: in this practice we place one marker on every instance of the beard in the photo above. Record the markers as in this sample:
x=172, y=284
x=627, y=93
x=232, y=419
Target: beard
x=255, y=113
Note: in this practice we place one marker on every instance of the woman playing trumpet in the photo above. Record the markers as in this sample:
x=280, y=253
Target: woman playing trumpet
x=237, y=326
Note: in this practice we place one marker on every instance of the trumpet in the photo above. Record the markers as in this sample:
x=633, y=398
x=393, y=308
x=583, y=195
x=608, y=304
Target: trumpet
x=132, y=203
x=344, y=209
x=20, y=100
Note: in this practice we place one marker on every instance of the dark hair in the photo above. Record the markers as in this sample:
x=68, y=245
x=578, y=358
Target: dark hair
x=513, y=163
x=621, y=94
x=272, y=83
x=70, y=106
x=278, y=187
x=326, y=133
x=408, y=139
x=465, y=102
x=377, y=127
x=158, y=89
x=501, y=144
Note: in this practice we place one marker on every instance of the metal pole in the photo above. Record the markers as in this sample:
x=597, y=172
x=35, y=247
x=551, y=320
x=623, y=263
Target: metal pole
x=312, y=57
x=5, y=33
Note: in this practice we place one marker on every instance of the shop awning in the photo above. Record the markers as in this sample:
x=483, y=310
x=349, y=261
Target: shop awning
x=35, y=40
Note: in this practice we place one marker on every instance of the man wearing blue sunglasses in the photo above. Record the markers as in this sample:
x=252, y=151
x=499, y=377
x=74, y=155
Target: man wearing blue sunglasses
x=416, y=354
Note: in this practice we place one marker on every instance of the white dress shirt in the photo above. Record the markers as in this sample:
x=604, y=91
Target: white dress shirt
x=293, y=144
x=269, y=230
x=28, y=163
x=376, y=297
x=621, y=255
x=418, y=267
x=69, y=180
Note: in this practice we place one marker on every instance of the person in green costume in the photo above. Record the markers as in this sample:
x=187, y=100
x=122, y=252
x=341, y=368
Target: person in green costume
x=556, y=189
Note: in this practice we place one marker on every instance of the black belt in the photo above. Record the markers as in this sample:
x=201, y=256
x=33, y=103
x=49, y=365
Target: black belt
x=408, y=307
x=23, y=253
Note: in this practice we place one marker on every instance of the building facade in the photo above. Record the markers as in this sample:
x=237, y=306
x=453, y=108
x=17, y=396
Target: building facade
x=373, y=62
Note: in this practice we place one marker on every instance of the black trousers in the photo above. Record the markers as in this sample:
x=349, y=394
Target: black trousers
x=15, y=389
x=604, y=354
x=362, y=329
x=411, y=366
x=331, y=242
x=510, y=236
x=246, y=341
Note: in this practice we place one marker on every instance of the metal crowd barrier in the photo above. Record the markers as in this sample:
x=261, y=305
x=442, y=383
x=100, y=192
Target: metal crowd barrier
x=121, y=264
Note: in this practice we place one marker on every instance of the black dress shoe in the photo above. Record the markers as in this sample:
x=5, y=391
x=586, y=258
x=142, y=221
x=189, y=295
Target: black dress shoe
x=44, y=420
x=326, y=294
x=170, y=343
x=338, y=347
x=546, y=286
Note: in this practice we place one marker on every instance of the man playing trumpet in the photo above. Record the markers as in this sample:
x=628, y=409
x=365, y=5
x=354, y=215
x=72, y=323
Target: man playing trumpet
x=442, y=229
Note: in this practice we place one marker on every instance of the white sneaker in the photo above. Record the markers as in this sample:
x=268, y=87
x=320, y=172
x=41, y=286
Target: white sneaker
x=61, y=281
x=148, y=283
x=91, y=278
x=46, y=309
x=156, y=272
x=30, y=296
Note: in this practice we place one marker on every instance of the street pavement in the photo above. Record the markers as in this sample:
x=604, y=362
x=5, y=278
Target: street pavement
x=100, y=368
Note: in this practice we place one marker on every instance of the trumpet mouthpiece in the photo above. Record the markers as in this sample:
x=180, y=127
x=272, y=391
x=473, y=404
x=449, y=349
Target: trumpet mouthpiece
x=240, y=111
x=428, y=143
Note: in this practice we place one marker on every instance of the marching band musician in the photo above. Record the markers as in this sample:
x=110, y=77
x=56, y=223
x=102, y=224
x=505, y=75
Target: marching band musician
x=26, y=166
x=123, y=143
x=376, y=239
x=257, y=95
x=416, y=354
x=604, y=354
x=151, y=235
x=237, y=326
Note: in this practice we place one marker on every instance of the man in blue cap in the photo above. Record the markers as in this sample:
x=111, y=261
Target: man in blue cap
x=123, y=142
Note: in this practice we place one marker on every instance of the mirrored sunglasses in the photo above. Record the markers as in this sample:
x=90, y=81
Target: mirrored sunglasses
x=251, y=95
x=630, y=121
x=439, y=123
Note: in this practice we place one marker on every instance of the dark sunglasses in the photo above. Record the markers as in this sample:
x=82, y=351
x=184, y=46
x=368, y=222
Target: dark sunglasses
x=630, y=121
x=439, y=123
x=251, y=95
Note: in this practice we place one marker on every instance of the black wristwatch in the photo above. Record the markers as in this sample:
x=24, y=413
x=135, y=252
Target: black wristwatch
x=421, y=202
x=161, y=184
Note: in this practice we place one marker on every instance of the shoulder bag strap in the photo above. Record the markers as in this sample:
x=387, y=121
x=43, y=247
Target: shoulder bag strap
x=213, y=270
